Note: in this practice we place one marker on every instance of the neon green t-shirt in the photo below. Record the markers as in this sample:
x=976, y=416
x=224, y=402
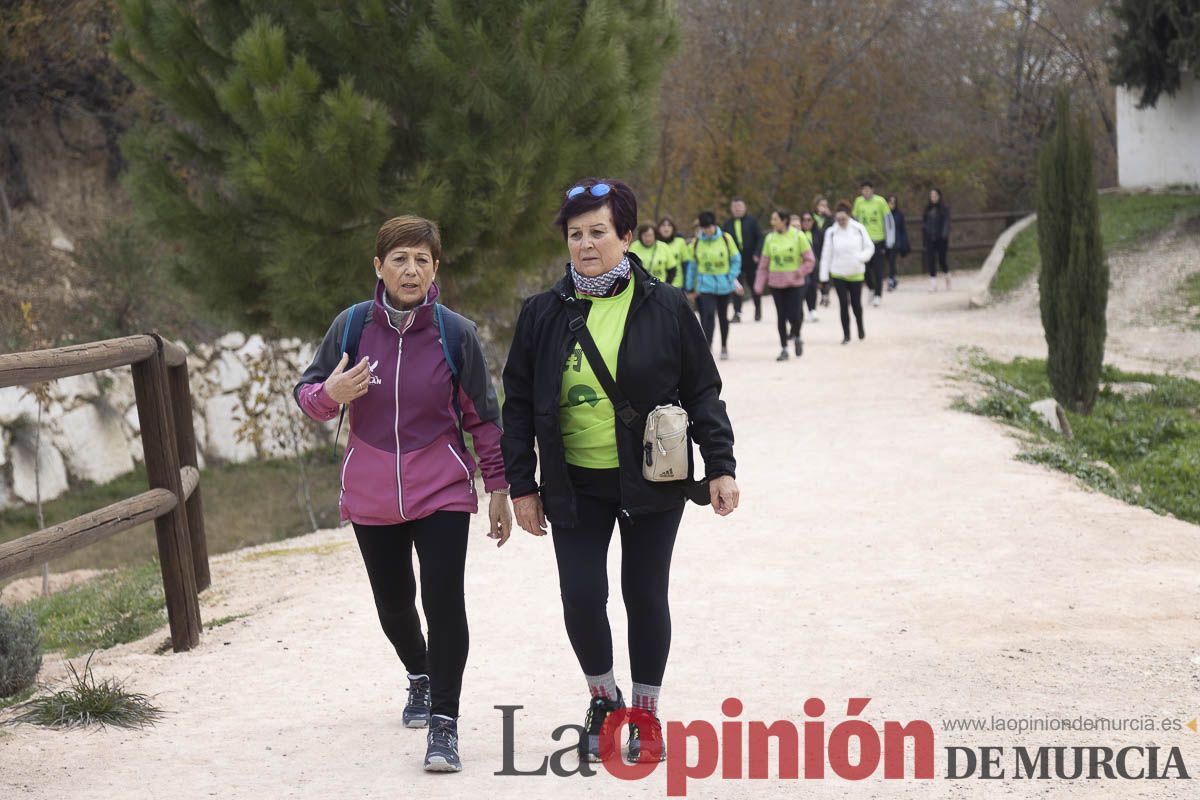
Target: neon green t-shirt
x=657, y=258
x=713, y=255
x=683, y=254
x=786, y=250
x=871, y=213
x=585, y=413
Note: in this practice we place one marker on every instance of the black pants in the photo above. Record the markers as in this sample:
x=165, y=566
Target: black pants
x=714, y=308
x=789, y=312
x=891, y=260
x=647, y=541
x=849, y=296
x=875, y=269
x=441, y=542
x=810, y=292
x=746, y=276
x=935, y=254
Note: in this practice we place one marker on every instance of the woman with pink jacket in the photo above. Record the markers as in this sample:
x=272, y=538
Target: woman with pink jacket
x=785, y=265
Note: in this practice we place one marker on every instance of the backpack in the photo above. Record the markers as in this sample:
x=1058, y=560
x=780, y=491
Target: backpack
x=449, y=324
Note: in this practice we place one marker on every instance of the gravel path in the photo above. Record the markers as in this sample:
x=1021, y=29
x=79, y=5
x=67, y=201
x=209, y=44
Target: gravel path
x=887, y=547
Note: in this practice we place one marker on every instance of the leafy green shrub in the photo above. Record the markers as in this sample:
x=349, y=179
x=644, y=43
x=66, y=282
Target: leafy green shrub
x=20, y=651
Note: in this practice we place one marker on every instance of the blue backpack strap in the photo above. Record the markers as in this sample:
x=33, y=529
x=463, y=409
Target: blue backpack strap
x=450, y=326
x=356, y=318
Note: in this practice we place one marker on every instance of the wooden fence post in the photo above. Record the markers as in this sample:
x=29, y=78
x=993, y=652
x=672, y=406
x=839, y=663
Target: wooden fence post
x=185, y=441
x=162, y=469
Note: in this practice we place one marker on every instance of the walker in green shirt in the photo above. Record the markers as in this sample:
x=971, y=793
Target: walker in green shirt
x=871, y=214
x=713, y=255
x=585, y=413
x=785, y=249
x=683, y=254
x=657, y=258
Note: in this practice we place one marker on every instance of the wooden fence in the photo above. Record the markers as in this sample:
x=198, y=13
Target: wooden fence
x=989, y=219
x=164, y=404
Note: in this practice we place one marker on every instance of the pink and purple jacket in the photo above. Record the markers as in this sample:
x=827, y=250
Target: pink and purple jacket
x=405, y=458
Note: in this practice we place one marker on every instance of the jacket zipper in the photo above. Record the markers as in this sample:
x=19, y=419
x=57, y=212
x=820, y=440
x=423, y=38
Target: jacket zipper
x=461, y=463
x=345, y=465
x=396, y=417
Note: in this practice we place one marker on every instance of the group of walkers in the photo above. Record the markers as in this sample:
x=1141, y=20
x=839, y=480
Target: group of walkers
x=800, y=258
x=596, y=429
x=583, y=395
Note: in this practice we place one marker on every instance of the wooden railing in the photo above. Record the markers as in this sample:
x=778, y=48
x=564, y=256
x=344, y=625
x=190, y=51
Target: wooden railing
x=992, y=219
x=164, y=404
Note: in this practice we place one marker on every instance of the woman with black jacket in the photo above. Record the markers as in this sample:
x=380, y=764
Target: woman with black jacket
x=935, y=237
x=591, y=452
x=900, y=247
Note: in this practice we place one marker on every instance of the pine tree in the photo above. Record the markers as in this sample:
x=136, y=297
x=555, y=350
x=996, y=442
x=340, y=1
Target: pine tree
x=290, y=131
x=1157, y=41
x=1073, y=283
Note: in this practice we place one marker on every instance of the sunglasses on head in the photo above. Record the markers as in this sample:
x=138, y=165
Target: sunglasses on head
x=596, y=190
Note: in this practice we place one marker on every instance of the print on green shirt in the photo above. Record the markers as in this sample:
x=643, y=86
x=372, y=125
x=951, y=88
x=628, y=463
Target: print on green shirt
x=871, y=214
x=786, y=250
x=585, y=413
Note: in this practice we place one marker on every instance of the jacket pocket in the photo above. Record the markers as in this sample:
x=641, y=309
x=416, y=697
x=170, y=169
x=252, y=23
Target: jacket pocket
x=435, y=477
x=369, y=484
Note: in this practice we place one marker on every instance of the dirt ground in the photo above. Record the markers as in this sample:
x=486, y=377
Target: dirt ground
x=887, y=547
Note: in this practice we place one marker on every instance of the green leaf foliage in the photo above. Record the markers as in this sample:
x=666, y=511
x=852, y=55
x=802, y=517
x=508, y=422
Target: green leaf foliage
x=1156, y=43
x=290, y=131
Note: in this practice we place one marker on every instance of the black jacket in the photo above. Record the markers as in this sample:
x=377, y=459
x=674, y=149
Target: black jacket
x=935, y=223
x=662, y=358
x=752, y=241
x=901, y=244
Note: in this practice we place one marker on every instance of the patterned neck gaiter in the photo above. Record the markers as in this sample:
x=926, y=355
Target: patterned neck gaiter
x=601, y=285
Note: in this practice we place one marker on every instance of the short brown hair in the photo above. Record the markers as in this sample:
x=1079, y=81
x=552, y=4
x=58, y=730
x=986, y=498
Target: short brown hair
x=408, y=230
x=843, y=205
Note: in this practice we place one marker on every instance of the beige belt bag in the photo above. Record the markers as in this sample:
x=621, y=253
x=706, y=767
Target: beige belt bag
x=665, y=445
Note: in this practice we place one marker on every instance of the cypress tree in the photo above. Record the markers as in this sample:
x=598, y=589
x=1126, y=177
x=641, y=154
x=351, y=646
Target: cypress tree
x=288, y=132
x=1073, y=283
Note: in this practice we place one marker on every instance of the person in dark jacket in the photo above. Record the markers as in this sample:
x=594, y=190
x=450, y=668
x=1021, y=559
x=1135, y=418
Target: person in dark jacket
x=816, y=239
x=748, y=236
x=408, y=479
x=591, y=462
x=901, y=247
x=935, y=237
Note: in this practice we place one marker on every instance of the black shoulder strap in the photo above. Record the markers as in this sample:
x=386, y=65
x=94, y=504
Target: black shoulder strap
x=578, y=324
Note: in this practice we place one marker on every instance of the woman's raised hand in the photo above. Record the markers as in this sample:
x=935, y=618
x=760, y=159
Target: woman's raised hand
x=724, y=493
x=530, y=515
x=342, y=386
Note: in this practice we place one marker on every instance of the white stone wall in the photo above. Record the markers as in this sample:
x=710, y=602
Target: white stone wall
x=90, y=431
x=1160, y=146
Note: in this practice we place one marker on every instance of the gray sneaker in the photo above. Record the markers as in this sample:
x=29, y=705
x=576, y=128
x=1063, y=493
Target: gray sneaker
x=441, y=752
x=597, y=713
x=416, y=709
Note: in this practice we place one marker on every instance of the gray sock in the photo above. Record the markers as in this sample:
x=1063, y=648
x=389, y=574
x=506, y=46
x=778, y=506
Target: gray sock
x=645, y=697
x=602, y=685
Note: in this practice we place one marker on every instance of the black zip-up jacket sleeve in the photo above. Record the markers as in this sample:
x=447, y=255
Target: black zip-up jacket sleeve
x=520, y=460
x=699, y=394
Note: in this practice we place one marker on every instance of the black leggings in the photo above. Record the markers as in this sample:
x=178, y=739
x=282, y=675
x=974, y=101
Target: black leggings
x=935, y=254
x=849, y=296
x=714, y=308
x=891, y=260
x=810, y=292
x=441, y=541
x=875, y=268
x=788, y=312
x=647, y=541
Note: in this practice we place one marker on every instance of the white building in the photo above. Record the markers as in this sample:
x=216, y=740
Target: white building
x=1160, y=146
